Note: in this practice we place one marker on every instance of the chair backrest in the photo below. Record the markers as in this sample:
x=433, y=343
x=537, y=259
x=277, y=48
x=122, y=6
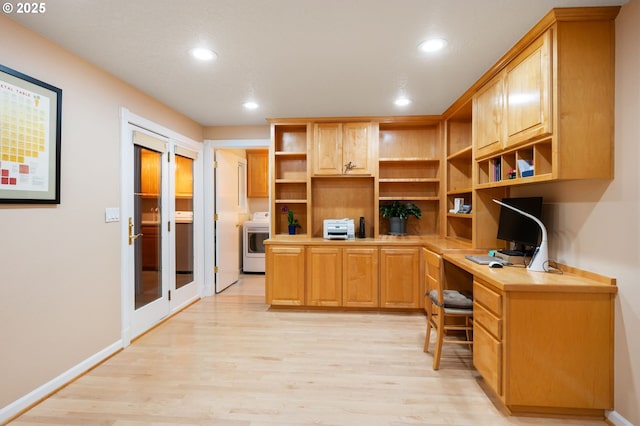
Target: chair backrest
x=433, y=263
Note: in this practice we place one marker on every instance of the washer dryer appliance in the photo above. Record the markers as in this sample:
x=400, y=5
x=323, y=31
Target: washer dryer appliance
x=255, y=231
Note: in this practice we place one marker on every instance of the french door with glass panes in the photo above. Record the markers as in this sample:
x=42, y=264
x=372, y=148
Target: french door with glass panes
x=159, y=229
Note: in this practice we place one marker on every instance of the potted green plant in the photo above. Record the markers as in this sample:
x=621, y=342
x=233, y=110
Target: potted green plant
x=292, y=222
x=398, y=213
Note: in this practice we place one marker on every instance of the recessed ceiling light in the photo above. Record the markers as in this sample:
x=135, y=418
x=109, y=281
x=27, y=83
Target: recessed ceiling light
x=250, y=105
x=203, y=54
x=432, y=45
x=402, y=101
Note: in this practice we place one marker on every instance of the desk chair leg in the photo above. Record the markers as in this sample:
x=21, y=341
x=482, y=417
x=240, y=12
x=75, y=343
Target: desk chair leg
x=427, y=338
x=468, y=322
x=439, y=340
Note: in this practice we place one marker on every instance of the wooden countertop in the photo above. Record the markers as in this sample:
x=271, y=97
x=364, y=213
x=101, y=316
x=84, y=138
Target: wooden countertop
x=518, y=278
x=434, y=243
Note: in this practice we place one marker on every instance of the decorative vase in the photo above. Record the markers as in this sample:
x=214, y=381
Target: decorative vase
x=292, y=229
x=397, y=226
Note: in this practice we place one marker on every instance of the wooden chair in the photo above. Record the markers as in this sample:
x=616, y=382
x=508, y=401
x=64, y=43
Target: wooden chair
x=442, y=305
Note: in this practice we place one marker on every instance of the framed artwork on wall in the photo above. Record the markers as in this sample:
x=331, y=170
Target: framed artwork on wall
x=30, y=133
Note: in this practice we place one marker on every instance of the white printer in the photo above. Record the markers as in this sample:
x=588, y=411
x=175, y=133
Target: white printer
x=339, y=229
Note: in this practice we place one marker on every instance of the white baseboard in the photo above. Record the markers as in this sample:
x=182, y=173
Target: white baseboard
x=33, y=397
x=615, y=418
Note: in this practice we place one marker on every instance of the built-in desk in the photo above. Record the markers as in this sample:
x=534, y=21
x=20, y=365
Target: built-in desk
x=543, y=342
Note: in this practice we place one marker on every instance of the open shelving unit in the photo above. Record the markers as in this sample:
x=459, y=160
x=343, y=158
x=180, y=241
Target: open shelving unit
x=290, y=189
x=409, y=169
x=459, y=153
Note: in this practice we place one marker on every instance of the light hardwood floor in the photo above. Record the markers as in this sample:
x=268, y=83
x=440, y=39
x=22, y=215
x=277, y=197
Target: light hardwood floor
x=230, y=360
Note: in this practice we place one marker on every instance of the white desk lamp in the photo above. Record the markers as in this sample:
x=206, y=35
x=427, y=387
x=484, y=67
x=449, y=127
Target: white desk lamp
x=540, y=257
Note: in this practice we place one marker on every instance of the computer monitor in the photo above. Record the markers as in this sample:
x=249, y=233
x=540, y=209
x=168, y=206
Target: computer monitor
x=516, y=228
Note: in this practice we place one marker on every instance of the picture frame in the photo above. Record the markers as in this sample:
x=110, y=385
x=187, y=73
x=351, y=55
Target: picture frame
x=30, y=139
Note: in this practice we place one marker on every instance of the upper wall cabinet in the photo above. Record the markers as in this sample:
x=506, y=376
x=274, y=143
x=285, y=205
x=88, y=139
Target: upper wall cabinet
x=342, y=149
x=527, y=111
x=545, y=111
x=487, y=117
x=257, y=173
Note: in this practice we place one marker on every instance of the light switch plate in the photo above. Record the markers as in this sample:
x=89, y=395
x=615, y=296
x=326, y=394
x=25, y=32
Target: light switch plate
x=112, y=214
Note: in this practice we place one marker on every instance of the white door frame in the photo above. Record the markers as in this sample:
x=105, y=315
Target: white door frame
x=194, y=291
x=209, y=199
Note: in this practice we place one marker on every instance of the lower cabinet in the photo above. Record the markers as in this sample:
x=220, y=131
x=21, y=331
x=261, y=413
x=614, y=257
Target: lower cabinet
x=353, y=276
x=360, y=277
x=285, y=275
x=400, y=277
x=324, y=276
x=342, y=277
x=543, y=352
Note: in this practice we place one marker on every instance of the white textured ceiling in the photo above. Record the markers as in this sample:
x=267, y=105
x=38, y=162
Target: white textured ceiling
x=296, y=58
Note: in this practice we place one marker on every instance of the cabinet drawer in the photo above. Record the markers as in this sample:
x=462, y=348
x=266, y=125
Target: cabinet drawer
x=487, y=298
x=487, y=320
x=487, y=357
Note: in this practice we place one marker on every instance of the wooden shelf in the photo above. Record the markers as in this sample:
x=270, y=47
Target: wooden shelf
x=460, y=215
x=291, y=181
x=290, y=154
x=407, y=180
x=462, y=154
x=409, y=198
x=290, y=201
x=460, y=191
x=408, y=159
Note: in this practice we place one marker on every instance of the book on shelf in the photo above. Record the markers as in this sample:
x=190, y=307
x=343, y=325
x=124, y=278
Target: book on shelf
x=497, y=169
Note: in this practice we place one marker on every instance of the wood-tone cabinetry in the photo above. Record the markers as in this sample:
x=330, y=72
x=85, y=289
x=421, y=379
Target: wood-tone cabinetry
x=324, y=276
x=184, y=176
x=459, y=172
x=290, y=190
x=488, y=104
x=150, y=247
x=257, y=173
x=284, y=267
x=360, y=277
x=548, y=103
x=533, y=370
x=342, y=148
x=400, y=285
x=150, y=172
x=342, y=276
x=409, y=170
x=527, y=93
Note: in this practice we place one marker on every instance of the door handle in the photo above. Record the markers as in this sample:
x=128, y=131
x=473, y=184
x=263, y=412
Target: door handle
x=132, y=236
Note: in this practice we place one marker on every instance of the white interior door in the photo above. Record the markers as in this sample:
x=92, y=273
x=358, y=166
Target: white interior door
x=229, y=192
x=147, y=230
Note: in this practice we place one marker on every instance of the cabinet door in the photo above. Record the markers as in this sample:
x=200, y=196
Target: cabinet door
x=487, y=357
x=324, y=276
x=356, y=148
x=400, y=277
x=360, y=277
x=327, y=149
x=528, y=93
x=487, y=118
x=184, y=176
x=285, y=275
x=257, y=173
x=150, y=173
